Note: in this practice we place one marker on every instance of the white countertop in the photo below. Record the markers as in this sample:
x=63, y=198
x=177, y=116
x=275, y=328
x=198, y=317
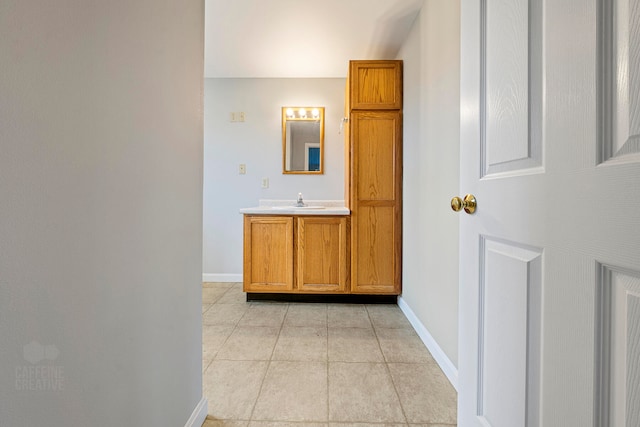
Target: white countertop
x=287, y=207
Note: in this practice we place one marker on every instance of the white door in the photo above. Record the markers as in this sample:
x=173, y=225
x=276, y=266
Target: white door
x=550, y=261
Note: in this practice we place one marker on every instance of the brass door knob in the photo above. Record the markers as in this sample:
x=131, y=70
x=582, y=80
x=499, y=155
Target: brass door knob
x=468, y=204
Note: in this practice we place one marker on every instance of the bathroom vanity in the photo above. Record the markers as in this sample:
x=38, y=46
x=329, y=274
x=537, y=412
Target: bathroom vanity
x=352, y=246
x=296, y=250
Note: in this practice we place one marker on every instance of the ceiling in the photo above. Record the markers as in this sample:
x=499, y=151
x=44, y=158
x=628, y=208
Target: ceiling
x=301, y=38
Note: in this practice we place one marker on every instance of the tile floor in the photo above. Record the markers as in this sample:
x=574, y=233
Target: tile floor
x=317, y=365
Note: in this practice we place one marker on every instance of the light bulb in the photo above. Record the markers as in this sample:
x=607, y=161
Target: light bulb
x=290, y=112
x=302, y=112
x=316, y=113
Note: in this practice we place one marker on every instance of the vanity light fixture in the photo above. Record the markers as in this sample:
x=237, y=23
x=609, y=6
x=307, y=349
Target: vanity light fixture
x=302, y=113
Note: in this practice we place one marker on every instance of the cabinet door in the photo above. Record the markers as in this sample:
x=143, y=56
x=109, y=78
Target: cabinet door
x=375, y=85
x=376, y=202
x=268, y=254
x=322, y=255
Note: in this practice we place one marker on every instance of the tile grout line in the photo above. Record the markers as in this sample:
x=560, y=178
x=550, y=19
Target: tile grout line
x=235, y=326
x=205, y=369
x=226, y=339
x=386, y=365
x=219, y=347
x=266, y=371
x=326, y=317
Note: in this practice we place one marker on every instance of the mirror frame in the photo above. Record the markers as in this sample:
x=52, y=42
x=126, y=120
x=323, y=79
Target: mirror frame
x=285, y=119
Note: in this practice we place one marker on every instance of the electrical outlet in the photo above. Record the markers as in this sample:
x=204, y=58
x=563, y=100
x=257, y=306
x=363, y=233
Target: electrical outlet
x=242, y=169
x=265, y=182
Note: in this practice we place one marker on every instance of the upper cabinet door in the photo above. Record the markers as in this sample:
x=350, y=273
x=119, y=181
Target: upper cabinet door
x=375, y=85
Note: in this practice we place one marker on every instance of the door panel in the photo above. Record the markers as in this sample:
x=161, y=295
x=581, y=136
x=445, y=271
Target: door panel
x=510, y=89
x=618, y=327
x=509, y=329
x=620, y=79
x=507, y=78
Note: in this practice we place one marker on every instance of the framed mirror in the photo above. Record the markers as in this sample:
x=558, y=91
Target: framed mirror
x=303, y=140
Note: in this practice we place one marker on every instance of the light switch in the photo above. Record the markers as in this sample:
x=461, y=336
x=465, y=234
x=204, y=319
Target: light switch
x=242, y=169
x=265, y=182
x=236, y=116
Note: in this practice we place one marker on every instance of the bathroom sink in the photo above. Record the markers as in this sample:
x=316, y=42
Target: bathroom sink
x=297, y=207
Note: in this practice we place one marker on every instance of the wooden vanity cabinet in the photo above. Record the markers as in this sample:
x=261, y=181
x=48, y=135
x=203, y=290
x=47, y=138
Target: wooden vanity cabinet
x=296, y=254
x=374, y=163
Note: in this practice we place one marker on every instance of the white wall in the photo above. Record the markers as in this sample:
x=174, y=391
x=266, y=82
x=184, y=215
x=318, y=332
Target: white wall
x=431, y=168
x=257, y=142
x=100, y=212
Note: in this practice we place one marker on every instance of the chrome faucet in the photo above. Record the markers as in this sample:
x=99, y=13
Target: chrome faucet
x=300, y=203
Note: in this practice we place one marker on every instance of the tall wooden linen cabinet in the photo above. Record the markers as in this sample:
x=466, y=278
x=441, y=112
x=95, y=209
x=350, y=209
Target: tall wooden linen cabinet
x=373, y=166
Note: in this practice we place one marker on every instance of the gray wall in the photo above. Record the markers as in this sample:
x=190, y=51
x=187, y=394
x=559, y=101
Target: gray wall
x=431, y=167
x=100, y=212
x=257, y=143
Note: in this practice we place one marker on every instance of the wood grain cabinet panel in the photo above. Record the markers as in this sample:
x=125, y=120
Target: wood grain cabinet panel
x=375, y=261
x=376, y=136
x=322, y=254
x=375, y=85
x=268, y=253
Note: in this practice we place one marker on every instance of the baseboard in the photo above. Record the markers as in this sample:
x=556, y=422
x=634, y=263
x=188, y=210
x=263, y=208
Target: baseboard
x=222, y=277
x=438, y=354
x=199, y=414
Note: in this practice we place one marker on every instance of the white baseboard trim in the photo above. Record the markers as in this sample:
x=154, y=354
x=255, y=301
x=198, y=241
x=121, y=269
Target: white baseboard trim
x=199, y=414
x=222, y=277
x=438, y=354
